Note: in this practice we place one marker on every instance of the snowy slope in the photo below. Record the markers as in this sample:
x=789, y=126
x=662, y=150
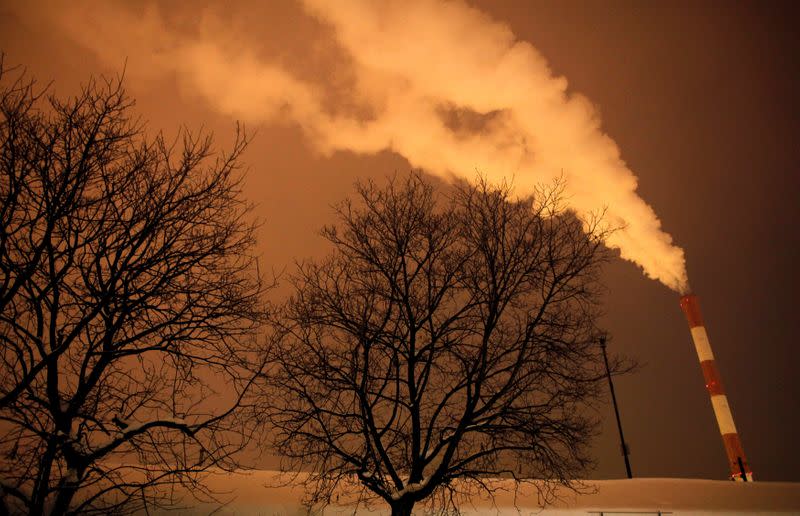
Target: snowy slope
x=251, y=495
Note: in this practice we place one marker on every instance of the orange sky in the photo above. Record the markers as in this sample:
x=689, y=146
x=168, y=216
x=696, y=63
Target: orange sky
x=700, y=101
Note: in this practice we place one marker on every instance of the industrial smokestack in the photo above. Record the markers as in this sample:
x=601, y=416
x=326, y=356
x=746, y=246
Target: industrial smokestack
x=737, y=462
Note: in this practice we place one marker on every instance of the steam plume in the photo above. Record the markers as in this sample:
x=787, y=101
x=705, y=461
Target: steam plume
x=438, y=82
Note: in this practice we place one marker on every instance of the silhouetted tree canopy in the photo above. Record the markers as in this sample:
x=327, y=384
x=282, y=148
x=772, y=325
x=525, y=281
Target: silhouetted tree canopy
x=128, y=291
x=447, y=340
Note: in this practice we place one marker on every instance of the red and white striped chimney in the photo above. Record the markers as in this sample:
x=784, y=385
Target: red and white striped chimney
x=737, y=462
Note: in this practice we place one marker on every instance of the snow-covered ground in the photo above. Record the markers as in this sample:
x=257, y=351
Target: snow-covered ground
x=251, y=495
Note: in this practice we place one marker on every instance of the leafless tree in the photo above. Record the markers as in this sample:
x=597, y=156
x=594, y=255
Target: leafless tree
x=129, y=299
x=446, y=341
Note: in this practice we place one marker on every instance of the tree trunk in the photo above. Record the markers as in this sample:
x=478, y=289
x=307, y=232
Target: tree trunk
x=63, y=500
x=402, y=508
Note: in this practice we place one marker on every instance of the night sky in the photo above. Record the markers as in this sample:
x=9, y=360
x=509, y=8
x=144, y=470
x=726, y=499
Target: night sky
x=700, y=100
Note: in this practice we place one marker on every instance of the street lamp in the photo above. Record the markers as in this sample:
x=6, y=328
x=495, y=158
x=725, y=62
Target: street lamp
x=616, y=410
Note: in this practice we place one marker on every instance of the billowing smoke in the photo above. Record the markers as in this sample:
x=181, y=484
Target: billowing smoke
x=437, y=82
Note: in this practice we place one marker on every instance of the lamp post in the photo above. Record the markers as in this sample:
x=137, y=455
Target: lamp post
x=616, y=410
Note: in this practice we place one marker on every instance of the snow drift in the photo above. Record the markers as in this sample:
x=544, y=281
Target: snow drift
x=249, y=494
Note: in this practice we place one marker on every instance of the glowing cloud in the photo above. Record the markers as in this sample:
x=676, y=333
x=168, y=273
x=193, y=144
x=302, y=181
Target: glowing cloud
x=439, y=83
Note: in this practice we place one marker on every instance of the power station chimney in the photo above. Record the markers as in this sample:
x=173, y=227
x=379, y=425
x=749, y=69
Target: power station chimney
x=740, y=469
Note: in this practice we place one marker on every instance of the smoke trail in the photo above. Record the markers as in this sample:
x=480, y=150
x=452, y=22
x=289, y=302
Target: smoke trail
x=438, y=82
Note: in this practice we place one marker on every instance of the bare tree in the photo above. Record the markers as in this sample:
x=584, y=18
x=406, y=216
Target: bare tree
x=128, y=300
x=442, y=343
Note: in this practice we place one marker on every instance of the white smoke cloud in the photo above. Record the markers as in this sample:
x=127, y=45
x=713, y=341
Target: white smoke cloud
x=437, y=82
